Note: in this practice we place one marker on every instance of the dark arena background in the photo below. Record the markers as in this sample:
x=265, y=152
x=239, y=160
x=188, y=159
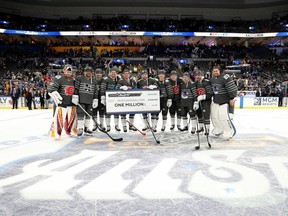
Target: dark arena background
x=156, y=172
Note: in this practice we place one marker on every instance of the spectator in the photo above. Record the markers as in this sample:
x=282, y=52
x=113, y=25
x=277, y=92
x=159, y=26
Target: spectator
x=46, y=98
x=15, y=94
x=28, y=96
x=33, y=98
x=280, y=95
x=42, y=98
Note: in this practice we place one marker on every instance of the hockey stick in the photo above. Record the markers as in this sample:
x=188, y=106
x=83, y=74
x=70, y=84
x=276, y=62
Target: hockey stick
x=98, y=126
x=207, y=137
x=198, y=136
x=51, y=127
x=157, y=141
x=131, y=125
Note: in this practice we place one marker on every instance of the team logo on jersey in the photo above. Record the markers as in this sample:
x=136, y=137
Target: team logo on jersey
x=175, y=89
x=69, y=90
x=215, y=88
x=88, y=87
x=184, y=95
x=200, y=91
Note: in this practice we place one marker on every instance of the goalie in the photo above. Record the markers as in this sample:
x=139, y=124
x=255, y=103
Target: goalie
x=61, y=90
x=224, y=92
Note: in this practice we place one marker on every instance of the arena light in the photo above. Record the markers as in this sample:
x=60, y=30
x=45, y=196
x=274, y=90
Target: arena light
x=251, y=28
x=210, y=27
x=125, y=27
x=4, y=22
x=43, y=26
x=86, y=26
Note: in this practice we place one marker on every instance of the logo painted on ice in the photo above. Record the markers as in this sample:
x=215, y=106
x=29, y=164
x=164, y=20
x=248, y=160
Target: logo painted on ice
x=221, y=178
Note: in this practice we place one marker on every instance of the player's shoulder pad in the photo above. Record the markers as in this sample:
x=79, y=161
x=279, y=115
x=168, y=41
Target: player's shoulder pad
x=58, y=77
x=226, y=76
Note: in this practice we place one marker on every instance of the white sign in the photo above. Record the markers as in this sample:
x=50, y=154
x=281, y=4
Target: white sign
x=266, y=101
x=132, y=101
x=250, y=94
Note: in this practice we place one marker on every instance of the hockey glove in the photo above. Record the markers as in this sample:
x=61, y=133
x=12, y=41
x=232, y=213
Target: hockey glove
x=201, y=97
x=169, y=103
x=103, y=100
x=95, y=103
x=75, y=99
x=125, y=88
x=152, y=86
x=196, y=106
x=56, y=97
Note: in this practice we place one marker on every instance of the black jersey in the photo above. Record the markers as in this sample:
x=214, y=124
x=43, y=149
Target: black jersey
x=145, y=83
x=87, y=89
x=165, y=89
x=186, y=94
x=224, y=89
x=65, y=87
x=201, y=88
x=176, y=89
x=108, y=84
x=129, y=83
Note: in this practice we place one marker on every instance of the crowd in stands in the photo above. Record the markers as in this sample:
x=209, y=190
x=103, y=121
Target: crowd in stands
x=126, y=23
x=251, y=78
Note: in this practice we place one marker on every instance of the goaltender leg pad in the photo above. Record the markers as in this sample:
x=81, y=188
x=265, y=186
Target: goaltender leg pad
x=215, y=119
x=226, y=123
x=60, y=114
x=70, y=120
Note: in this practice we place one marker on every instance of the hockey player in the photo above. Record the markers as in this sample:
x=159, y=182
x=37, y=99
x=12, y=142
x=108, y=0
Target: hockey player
x=202, y=90
x=166, y=94
x=100, y=108
x=175, y=107
x=109, y=82
x=61, y=89
x=147, y=83
x=85, y=94
x=225, y=91
x=187, y=102
x=127, y=83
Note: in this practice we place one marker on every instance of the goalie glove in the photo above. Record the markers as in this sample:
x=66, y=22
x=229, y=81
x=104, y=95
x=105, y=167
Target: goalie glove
x=75, y=99
x=201, y=97
x=125, y=88
x=56, y=97
x=196, y=106
x=169, y=103
x=152, y=86
x=95, y=103
x=103, y=100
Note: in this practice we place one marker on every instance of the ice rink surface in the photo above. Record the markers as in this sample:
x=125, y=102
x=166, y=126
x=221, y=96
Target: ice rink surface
x=95, y=176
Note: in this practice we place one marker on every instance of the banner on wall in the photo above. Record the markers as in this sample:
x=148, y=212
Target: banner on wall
x=250, y=94
x=256, y=102
x=266, y=101
x=142, y=33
